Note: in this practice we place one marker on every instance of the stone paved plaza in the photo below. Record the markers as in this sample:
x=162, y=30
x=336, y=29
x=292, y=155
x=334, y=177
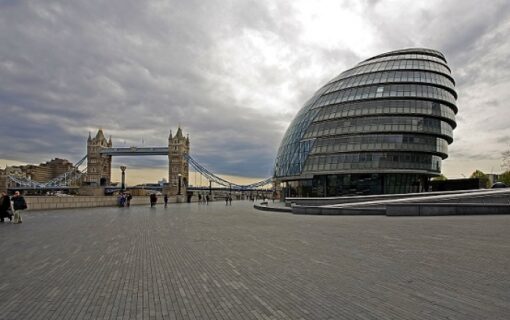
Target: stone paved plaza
x=215, y=262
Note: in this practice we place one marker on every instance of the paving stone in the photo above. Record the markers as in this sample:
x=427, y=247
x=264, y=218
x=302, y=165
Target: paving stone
x=192, y=261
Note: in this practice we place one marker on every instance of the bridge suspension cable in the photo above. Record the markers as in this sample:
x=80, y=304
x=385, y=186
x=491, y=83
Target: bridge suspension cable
x=69, y=176
x=222, y=182
x=64, y=179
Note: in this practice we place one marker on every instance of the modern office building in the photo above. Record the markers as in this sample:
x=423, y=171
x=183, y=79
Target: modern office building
x=381, y=127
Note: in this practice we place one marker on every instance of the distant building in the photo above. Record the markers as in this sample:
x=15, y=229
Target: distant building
x=3, y=181
x=383, y=126
x=43, y=172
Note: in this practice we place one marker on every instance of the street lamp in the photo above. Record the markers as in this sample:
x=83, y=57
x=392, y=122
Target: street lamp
x=179, y=186
x=123, y=181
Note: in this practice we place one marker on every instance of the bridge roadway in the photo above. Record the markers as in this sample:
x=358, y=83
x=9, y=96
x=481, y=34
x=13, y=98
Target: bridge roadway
x=192, y=261
x=135, y=151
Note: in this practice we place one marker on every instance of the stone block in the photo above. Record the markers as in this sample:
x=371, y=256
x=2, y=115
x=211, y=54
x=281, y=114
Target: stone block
x=402, y=210
x=437, y=210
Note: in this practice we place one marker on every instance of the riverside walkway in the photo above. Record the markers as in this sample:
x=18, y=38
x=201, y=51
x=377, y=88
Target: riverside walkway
x=192, y=261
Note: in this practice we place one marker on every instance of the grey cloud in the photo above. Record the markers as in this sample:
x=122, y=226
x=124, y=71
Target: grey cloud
x=470, y=155
x=504, y=139
x=127, y=68
x=139, y=68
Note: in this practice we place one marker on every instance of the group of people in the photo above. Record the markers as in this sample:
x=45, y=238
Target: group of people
x=125, y=199
x=228, y=199
x=154, y=199
x=203, y=199
x=11, y=208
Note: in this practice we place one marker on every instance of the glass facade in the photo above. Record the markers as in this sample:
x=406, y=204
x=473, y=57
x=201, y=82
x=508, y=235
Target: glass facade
x=381, y=127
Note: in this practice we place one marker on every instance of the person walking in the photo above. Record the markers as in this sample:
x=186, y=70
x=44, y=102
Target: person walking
x=5, y=207
x=207, y=199
x=230, y=199
x=18, y=204
x=226, y=200
x=199, y=198
x=166, y=200
x=128, y=199
x=153, y=199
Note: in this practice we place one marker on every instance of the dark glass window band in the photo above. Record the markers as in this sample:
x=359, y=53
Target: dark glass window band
x=373, y=161
x=381, y=142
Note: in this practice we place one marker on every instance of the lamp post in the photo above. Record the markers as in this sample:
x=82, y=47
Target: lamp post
x=123, y=181
x=179, y=186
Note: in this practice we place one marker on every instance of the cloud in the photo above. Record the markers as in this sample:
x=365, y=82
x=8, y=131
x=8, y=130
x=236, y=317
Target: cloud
x=232, y=73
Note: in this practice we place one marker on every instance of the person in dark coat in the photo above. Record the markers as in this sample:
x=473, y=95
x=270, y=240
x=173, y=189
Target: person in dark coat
x=5, y=207
x=128, y=199
x=166, y=200
x=18, y=204
x=153, y=199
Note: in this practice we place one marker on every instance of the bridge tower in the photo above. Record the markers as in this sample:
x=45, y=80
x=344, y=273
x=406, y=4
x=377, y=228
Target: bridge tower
x=178, y=150
x=99, y=166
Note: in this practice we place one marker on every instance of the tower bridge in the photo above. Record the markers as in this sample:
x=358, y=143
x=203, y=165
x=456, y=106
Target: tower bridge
x=94, y=169
x=100, y=152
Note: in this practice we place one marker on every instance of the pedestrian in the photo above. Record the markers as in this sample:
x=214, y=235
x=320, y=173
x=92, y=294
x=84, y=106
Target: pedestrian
x=5, y=207
x=207, y=199
x=199, y=198
x=153, y=199
x=128, y=199
x=230, y=199
x=122, y=200
x=18, y=204
x=166, y=200
x=226, y=200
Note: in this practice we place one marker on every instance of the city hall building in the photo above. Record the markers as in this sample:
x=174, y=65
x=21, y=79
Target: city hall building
x=381, y=127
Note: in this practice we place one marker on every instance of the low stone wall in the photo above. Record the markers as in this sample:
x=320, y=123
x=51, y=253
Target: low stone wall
x=445, y=209
x=52, y=202
x=338, y=211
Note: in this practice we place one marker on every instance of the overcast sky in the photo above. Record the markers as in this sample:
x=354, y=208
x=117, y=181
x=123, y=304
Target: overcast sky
x=231, y=73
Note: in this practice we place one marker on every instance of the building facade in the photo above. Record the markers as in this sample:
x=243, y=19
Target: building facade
x=3, y=181
x=46, y=171
x=383, y=126
x=43, y=172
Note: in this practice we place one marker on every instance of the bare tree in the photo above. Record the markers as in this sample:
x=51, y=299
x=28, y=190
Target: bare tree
x=505, y=163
